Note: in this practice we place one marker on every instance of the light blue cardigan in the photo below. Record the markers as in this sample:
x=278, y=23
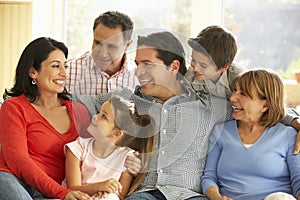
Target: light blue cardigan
x=252, y=173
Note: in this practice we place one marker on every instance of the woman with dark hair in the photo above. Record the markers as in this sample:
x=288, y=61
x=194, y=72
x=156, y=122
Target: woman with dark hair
x=36, y=122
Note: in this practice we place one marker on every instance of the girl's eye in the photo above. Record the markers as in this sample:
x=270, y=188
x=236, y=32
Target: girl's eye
x=55, y=66
x=103, y=117
x=66, y=66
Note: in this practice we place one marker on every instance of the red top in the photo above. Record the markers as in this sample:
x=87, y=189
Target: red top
x=32, y=149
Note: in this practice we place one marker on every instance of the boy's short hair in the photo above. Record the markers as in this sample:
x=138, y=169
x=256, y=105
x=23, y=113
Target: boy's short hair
x=218, y=43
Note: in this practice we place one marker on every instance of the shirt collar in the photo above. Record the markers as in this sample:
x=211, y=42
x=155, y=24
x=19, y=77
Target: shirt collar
x=223, y=80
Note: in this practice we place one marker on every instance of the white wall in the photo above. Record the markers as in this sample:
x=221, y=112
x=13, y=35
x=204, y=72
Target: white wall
x=205, y=13
x=48, y=19
x=15, y=33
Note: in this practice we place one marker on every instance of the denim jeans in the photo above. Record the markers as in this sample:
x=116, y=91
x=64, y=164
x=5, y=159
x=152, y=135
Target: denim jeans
x=12, y=188
x=154, y=196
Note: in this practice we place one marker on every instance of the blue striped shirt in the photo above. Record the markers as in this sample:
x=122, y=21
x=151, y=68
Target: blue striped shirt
x=183, y=124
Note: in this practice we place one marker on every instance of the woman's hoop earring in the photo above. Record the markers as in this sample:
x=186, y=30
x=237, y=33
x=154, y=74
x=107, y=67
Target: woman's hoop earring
x=33, y=82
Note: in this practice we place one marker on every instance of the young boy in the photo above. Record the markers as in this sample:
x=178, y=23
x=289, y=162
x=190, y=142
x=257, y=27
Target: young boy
x=211, y=68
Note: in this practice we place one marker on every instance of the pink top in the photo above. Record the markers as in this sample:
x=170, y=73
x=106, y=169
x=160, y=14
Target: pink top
x=96, y=169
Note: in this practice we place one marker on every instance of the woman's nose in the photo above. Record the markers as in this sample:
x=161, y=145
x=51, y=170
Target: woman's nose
x=232, y=97
x=63, y=72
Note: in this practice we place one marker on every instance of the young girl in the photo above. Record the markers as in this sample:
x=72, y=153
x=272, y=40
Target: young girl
x=96, y=165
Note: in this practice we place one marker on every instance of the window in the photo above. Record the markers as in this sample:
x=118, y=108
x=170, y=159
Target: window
x=171, y=14
x=268, y=36
x=267, y=33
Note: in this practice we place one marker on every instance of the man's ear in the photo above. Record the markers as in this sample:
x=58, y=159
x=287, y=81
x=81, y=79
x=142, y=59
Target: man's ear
x=128, y=43
x=32, y=73
x=175, y=65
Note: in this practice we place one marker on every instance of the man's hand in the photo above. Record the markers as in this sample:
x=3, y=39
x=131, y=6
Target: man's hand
x=133, y=164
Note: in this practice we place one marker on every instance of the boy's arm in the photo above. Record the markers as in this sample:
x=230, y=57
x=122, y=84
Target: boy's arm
x=296, y=124
x=290, y=115
x=292, y=118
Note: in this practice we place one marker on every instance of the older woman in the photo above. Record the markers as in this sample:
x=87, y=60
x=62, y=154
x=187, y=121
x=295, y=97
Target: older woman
x=252, y=156
x=36, y=122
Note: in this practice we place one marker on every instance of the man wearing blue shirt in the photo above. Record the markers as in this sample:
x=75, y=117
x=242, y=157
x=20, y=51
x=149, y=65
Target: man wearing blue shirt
x=183, y=119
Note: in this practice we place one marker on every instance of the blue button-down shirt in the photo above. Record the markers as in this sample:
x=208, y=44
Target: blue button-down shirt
x=183, y=123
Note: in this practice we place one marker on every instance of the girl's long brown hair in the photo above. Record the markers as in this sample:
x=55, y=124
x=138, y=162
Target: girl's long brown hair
x=139, y=134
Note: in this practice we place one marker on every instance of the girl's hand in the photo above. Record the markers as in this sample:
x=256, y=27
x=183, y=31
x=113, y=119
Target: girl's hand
x=110, y=186
x=105, y=195
x=99, y=195
x=77, y=195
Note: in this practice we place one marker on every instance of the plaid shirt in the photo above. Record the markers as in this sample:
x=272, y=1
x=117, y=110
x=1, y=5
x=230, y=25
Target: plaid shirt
x=86, y=78
x=184, y=123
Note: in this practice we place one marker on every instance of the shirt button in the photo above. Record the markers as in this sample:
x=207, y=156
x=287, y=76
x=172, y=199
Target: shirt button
x=164, y=131
x=162, y=152
x=165, y=111
x=161, y=170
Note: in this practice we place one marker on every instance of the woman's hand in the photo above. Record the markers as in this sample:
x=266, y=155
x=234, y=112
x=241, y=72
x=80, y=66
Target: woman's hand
x=213, y=193
x=220, y=198
x=223, y=198
x=77, y=195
